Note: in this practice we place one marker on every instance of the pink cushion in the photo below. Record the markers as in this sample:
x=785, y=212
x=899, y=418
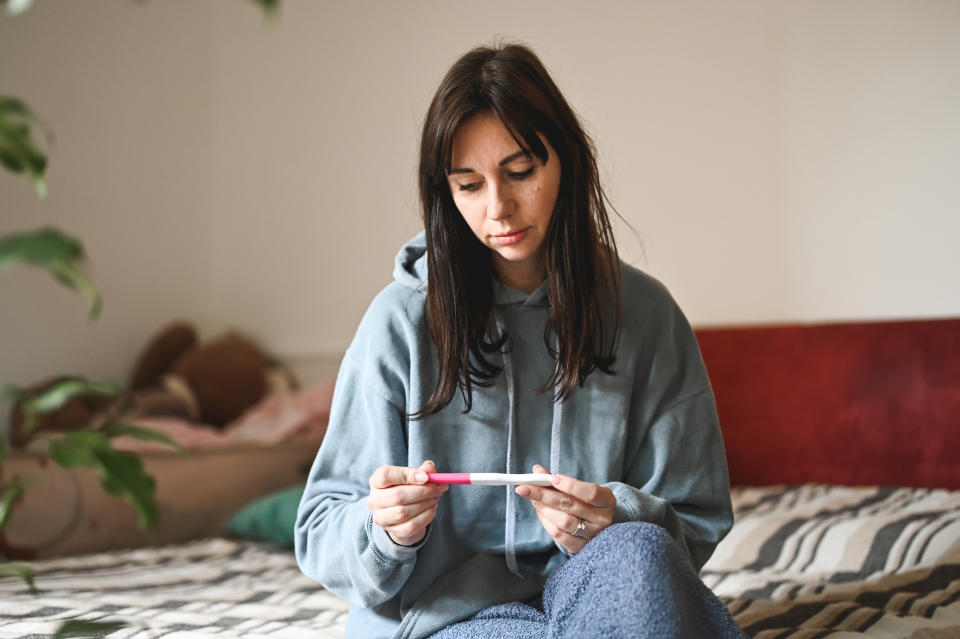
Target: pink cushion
x=859, y=403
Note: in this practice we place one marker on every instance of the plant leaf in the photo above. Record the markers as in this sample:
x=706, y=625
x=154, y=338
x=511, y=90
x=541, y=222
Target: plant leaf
x=60, y=393
x=15, y=7
x=121, y=473
x=3, y=450
x=76, y=448
x=88, y=628
x=19, y=152
x=72, y=276
x=9, y=496
x=124, y=429
x=42, y=247
x=13, y=393
x=23, y=571
x=270, y=8
x=60, y=254
x=53, y=398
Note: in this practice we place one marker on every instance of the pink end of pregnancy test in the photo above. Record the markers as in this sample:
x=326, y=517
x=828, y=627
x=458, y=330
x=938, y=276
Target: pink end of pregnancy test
x=490, y=479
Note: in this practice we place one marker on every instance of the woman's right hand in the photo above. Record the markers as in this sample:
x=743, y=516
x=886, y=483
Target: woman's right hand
x=402, y=502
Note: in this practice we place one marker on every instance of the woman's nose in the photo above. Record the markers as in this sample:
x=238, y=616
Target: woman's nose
x=500, y=204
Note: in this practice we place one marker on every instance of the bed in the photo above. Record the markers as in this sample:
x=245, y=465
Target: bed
x=842, y=441
x=846, y=472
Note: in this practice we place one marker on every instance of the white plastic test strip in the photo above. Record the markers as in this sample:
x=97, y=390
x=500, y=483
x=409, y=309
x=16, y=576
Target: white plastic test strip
x=490, y=479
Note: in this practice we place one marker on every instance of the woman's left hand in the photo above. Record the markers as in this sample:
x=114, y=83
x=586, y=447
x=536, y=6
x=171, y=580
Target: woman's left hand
x=562, y=508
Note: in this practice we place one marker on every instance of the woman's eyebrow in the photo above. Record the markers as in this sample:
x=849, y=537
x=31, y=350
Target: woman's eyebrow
x=507, y=160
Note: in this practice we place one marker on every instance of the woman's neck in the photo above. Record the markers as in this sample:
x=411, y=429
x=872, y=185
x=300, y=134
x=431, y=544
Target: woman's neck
x=522, y=277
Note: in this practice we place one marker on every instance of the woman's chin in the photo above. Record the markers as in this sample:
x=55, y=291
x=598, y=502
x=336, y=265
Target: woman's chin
x=514, y=264
x=514, y=255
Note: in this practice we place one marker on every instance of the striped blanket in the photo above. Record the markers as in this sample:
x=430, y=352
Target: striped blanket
x=827, y=561
x=801, y=562
x=214, y=587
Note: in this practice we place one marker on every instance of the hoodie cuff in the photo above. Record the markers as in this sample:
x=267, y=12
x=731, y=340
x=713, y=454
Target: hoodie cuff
x=389, y=550
x=627, y=508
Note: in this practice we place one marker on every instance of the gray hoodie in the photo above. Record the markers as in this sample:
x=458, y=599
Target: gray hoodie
x=649, y=433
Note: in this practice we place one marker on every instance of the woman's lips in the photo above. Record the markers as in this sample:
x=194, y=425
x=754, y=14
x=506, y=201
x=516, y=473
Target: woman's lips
x=510, y=238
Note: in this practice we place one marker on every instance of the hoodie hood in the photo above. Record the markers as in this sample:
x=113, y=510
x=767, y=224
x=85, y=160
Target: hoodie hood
x=410, y=265
x=410, y=269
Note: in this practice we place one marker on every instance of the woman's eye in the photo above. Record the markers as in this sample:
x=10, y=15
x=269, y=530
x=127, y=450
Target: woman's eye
x=520, y=175
x=473, y=186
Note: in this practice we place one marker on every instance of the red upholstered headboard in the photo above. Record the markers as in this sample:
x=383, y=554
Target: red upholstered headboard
x=856, y=403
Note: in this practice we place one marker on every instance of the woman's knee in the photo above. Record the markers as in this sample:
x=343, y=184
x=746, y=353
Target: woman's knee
x=633, y=580
x=632, y=539
x=636, y=532
x=621, y=555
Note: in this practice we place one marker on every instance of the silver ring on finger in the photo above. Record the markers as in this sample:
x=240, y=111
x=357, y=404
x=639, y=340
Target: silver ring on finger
x=580, y=528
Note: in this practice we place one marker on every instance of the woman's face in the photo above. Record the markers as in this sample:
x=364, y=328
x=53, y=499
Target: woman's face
x=506, y=197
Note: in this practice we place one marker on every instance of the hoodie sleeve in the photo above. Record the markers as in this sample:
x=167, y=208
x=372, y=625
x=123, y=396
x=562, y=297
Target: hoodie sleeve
x=675, y=466
x=336, y=541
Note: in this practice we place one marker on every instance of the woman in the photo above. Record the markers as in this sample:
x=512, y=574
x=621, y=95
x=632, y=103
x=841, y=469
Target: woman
x=514, y=339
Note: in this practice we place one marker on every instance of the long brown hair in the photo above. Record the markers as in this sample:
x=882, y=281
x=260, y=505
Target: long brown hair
x=583, y=269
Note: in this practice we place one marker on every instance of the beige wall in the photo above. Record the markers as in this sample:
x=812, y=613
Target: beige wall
x=779, y=161
x=126, y=87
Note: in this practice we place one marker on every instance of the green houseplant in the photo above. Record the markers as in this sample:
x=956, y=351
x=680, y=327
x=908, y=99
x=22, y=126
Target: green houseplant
x=24, y=138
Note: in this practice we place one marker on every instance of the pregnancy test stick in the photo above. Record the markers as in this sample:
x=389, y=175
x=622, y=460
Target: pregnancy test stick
x=490, y=479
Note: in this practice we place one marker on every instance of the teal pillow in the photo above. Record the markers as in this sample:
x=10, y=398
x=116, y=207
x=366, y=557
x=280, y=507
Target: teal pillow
x=268, y=518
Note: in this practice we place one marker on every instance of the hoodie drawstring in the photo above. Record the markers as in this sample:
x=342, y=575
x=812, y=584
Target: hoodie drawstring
x=510, y=523
x=555, y=433
x=510, y=518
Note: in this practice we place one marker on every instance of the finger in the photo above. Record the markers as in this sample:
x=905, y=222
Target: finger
x=562, y=537
x=563, y=521
x=387, y=476
x=523, y=491
x=394, y=515
x=429, y=467
x=403, y=495
x=589, y=493
x=412, y=530
x=555, y=499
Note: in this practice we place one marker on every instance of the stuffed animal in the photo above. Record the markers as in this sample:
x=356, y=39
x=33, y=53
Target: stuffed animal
x=176, y=376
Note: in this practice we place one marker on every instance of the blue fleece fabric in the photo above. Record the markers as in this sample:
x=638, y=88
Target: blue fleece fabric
x=649, y=433
x=630, y=582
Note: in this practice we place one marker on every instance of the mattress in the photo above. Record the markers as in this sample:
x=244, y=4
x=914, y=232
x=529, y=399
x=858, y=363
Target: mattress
x=801, y=562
